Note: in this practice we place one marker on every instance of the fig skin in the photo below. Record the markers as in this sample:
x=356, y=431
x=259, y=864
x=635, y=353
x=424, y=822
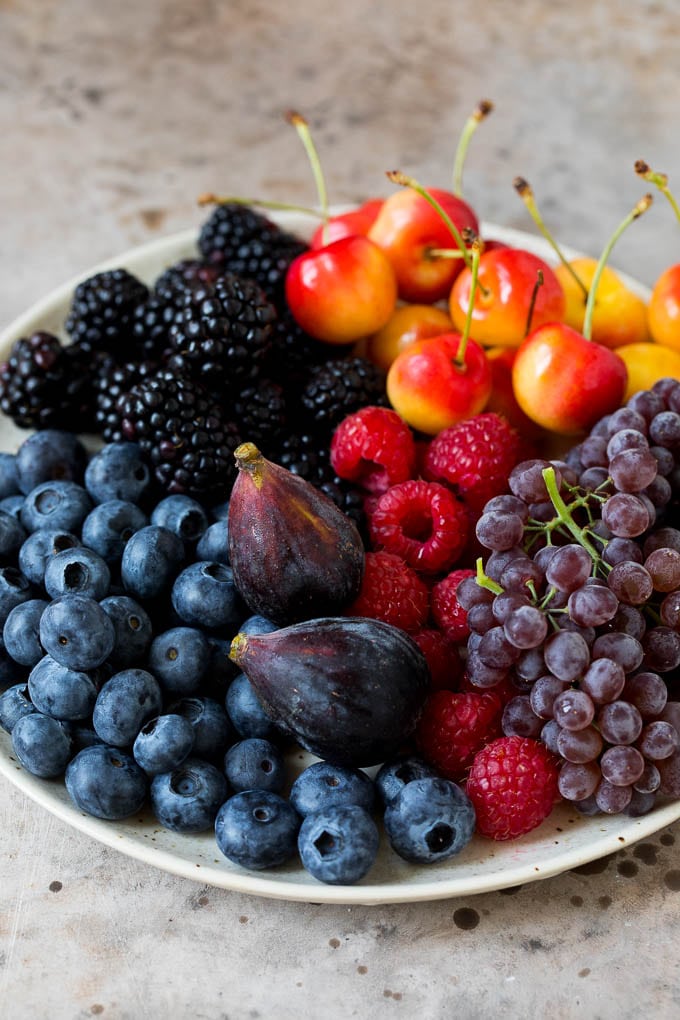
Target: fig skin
x=348, y=689
x=293, y=552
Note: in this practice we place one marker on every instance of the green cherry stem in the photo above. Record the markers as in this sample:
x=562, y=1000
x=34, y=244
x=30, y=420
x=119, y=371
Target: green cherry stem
x=208, y=198
x=641, y=207
x=397, y=177
x=564, y=514
x=525, y=192
x=481, y=111
x=660, y=181
x=302, y=128
x=476, y=249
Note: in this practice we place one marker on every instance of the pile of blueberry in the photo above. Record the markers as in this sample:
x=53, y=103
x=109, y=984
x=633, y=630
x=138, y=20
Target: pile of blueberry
x=117, y=607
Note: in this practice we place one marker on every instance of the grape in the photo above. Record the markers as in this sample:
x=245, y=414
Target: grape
x=633, y=470
x=550, y=736
x=499, y=530
x=619, y=722
x=526, y=627
x=659, y=491
x=543, y=556
x=587, y=807
x=669, y=771
x=519, y=572
x=543, y=693
x=669, y=610
x=661, y=649
x=573, y=709
x=519, y=719
x=469, y=593
x=620, y=549
x=498, y=561
x=526, y=480
x=592, y=605
x=482, y=675
x=530, y=665
x=662, y=538
x=577, y=781
x=664, y=429
x=658, y=740
x=649, y=780
x=594, y=452
x=603, y=681
x=664, y=569
x=646, y=403
x=566, y=655
x=495, y=650
x=569, y=475
x=628, y=620
x=626, y=418
x=671, y=713
x=640, y=803
x=612, y=799
x=480, y=618
x=594, y=479
x=664, y=387
x=543, y=512
x=622, y=766
x=626, y=439
x=569, y=568
x=506, y=603
x=665, y=461
x=631, y=582
x=673, y=397
x=579, y=746
x=622, y=648
x=508, y=503
x=600, y=426
x=626, y=515
x=648, y=693
x=587, y=633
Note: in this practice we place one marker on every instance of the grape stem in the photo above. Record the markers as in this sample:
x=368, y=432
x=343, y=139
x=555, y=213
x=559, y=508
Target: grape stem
x=564, y=514
x=484, y=581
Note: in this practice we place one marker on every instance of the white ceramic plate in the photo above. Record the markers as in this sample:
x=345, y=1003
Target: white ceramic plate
x=566, y=840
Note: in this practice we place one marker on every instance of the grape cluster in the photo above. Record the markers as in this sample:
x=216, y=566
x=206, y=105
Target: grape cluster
x=576, y=610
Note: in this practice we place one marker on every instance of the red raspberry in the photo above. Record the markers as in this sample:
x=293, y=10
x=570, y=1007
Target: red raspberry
x=443, y=658
x=393, y=592
x=454, y=727
x=422, y=522
x=475, y=457
x=373, y=447
x=447, y=611
x=513, y=786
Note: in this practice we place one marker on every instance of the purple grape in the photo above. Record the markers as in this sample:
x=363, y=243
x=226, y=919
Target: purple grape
x=669, y=771
x=640, y=803
x=622, y=765
x=650, y=779
x=669, y=610
x=482, y=675
x=663, y=566
x=498, y=561
x=665, y=461
x=543, y=693
x=662, y=538
x=648, y=693
x=495, y=650
x=566, y=655
x=595, y=479
x=661, y=649
x=470, y=594
x=626, y=515
x=664, y=429
x=646, y=403
x=530, y=665
x=508, y=503
x=658, y=740
x=613, y=799
x=622, y=648
x=603, y=681
x=631, y=583
x=579, y=746
x=499, y=531
x=519, y=719
x=626, y=439
x=480, y=618
x=592, y=605
x=633, y=470
x=526, y=480
x=526, y=627
x=594, y=452
x=628, y=620
x=659, y=491
x=619, y=722
x=507, y=602
x=587, y=807
x=621, y=549
x=550, y=735
x=577, y=781
x=573, y=709
x=664, y=387
x=519, y=573
x=569, y=568
x=626, y=418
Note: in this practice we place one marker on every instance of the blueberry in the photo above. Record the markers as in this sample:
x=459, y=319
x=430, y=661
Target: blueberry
x=257, y=829
x=430, y=820
x=76, y=631
x=323, y=785
x=15, y=702
x=42, y=745
x=12, y=537
x=212, y=730
x=109, y=526
x=12, y=505
x=179, y=658
x=255, y=764
x=133, y=630
x=78, y=571
x=21, y=633
x=9, y=476
x=182, y=515
x=104, y=782
x=246, y=712
x=125, y=702
x=163, y=743
x=204, y=595
x=338, y=845
x=57, y=504
x=257, y=624
x=83, y=735
x=11, y=671
x=14, y=589
x=118, y=471
x=150, y=561
x=60, y=692
x=40, y=547
x=50, y=455
x=220, y=512
x=393, y=776
x=221, y=670
x=213, y=544
x=188, y=798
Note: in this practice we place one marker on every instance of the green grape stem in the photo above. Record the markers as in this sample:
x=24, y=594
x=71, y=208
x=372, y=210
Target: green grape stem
x=484, y=581
x=565, y=517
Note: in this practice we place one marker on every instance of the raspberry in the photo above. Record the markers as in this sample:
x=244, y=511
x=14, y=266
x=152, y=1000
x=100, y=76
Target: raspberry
x=475, y=457
x=513, y=786
x=422, y=522
x=447, y=611
x=373, y=447
x=454, y=727
x=393, y=592
x=443, y=659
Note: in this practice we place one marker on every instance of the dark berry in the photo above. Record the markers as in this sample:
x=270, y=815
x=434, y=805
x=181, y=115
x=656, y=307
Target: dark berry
x=102, y=312
x=45, y=385
x=341, y=387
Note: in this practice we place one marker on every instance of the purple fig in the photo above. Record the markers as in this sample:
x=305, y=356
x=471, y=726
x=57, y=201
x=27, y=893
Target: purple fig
x=348, y=689
x=294, y=554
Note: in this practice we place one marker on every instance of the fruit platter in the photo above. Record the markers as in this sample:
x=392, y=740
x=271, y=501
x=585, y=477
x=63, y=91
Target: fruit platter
x=339, y=556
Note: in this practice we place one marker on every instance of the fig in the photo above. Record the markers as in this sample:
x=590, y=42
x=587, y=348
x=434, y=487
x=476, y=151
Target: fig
x=293, y=552
x=348, y=689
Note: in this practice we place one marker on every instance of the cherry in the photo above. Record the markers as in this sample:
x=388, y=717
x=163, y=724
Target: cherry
x=408, y=324
x=356, y=221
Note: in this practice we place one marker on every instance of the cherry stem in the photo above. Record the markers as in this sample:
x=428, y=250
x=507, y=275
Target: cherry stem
x=660, y=181
x=443, y=253
x=476, y=248
x=634, y=214
x=525, y=192
x=302, y=128
x=482, y=110
x=397, y=177
x=208, y=198
x=532, y=304
x=564, y=514
x=484, y=581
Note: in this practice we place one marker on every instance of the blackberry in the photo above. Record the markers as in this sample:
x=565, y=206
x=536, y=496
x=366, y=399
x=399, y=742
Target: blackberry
x=46, y=385
x=242, y=241
x=222, y=335
x=293, y=351
x=341, y=387
x=260, y=415
x=183, y=433
x=112, y=382
x=153, y=319
x=102, y=312
x=182, y=276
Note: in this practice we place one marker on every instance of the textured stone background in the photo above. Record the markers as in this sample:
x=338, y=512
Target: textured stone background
x=113, y=118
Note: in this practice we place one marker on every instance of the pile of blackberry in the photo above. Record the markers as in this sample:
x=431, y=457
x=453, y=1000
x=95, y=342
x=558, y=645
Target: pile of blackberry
x=205, y=357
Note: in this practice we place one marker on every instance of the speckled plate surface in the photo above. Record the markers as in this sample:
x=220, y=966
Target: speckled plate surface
x=565, y=840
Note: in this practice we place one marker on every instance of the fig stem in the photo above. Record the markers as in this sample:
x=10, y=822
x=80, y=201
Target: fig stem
x=660, y=181
x=526, y=193
x=476, y=248
x=248, y=458
x=305, y=135
x=237, y=649
x=208, y=198
x=481, y=111
x=397, y=177
x=634, y=214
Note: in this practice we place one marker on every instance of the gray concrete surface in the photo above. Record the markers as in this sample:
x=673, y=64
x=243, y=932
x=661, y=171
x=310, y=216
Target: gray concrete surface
x=113, y=118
